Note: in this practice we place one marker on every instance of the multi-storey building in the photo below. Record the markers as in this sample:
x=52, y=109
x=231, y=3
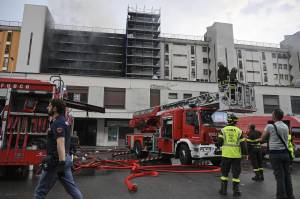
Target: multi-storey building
x=144, y=68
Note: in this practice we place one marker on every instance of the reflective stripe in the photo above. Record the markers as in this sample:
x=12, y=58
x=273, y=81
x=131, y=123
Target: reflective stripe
x=250, y=140
x=260, y=169
x=232, y=145
x=223, y=178
x=220, y=136
x=256, y=170
x=236, y=180
x=242, y=140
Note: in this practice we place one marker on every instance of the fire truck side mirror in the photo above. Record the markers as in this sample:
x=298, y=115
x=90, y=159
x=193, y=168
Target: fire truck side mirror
x=295, y=132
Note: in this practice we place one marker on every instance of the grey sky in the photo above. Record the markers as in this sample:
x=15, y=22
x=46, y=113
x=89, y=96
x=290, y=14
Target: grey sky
x=255, y=20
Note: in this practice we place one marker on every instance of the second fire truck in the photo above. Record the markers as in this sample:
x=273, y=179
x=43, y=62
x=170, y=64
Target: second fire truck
x=188, y=129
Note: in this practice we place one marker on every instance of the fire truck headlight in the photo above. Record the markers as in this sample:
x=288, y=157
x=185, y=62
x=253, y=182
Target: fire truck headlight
x=205, y=149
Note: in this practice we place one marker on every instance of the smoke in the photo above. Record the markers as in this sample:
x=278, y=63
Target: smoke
x=90, y=13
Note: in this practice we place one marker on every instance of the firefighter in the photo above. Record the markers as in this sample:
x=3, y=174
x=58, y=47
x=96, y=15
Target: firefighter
x=291, y=146
x=233, y=145
x=233, y=83
x=57, y=164
x=223, y=74
x=255, y=153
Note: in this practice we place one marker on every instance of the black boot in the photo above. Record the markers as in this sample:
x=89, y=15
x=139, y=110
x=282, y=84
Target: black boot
x=236, y=189
x=223, y=190
x=261, y=175
x=257, y=176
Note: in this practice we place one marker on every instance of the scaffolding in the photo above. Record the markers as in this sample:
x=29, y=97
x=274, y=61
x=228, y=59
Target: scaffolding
x=143, y=43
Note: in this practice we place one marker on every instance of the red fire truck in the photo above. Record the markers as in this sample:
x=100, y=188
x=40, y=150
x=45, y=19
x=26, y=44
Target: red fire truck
x=24, y=120
x=260, y=122
x=187, y=129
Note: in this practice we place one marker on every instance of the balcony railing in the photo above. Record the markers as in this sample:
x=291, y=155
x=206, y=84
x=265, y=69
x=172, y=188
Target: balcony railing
x=179, y=36
x=87, y=28
x=254, y=43
x=10, y=23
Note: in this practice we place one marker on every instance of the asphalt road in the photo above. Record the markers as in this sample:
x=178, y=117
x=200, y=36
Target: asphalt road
x=110, y=185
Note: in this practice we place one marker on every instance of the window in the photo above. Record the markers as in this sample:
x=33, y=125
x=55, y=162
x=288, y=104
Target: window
x=205, y=60
x=154, y=97
x=193, y=62
x=295, y=102
x=192, y=50
x=274, y=65
x=271, y=102
x=29, y=48
x=5, y=63
x=240, y=64
x=9, y=36
x=180, y=78
x=173, y=96
x=264, y=66
x=7, y=47
x=239, y=54
x=112, y=134
x=285, y=56
x=166, y=59
x=192, y=119
x=205, y=71
x=204, y=49
x=78, y=93
x=279, y=66
x=180, y=66
x=114, y=98
x=166, y=48
x=241, y=76
x=273, y=55
x=279, y=56
x=265, y=77
x=281, y=76
x=263, y=56
x=166, y=71
x=286, y=77
x=187, y=95
x=275, y=76
x=193, y=73
x=284, y=66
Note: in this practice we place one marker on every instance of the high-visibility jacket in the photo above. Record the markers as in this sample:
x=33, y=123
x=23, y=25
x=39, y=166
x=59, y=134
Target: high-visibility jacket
x=232, y=137
x=291, y=146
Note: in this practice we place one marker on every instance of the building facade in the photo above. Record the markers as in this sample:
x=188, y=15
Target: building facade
x=141, y=51
x=123, y=96
x=9, y=44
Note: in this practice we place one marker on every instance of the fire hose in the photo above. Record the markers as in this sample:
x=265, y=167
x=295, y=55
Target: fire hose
x=138, y=170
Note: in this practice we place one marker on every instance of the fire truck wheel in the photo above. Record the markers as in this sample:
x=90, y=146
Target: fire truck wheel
x=185, y=155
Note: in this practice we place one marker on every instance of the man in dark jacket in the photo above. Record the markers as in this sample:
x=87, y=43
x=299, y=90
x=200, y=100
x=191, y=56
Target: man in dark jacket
x=223, y=74
x=255, y=153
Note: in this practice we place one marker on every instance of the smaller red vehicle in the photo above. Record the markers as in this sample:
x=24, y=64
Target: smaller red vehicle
x=260, y=122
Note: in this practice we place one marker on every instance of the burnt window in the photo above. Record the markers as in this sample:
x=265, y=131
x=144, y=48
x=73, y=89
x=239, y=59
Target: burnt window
x=114, y=98
x=78, y=93
x=295, y=102
x=154, y=97
x=271, y=102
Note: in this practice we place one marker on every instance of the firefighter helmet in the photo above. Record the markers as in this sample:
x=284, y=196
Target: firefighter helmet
x=232, y=119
